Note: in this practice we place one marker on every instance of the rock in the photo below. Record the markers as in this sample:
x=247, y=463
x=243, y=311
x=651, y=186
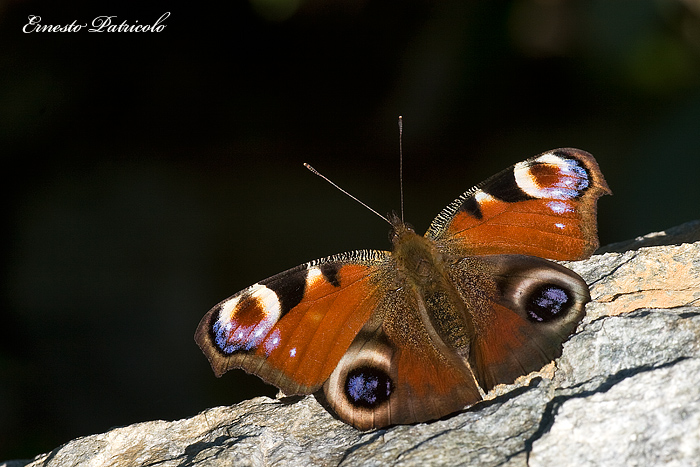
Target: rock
x=626, y=391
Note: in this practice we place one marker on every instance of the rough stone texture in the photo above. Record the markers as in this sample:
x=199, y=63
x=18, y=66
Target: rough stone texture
x=626, y=391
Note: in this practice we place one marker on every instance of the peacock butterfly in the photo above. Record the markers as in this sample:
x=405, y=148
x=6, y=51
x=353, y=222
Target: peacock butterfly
x=425, y=330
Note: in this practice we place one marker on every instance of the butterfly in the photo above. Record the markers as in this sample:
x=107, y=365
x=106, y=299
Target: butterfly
x=427, y=329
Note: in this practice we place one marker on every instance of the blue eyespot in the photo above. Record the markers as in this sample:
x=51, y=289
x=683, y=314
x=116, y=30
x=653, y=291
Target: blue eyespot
x=548, y=302
x=368, y=387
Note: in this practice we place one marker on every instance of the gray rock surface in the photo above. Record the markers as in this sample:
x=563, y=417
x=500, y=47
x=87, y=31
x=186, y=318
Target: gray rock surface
x=626, y=391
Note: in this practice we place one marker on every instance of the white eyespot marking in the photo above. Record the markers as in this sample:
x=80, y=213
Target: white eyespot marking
x=482, y=197
x=228, y=308
x=293, y=352
x=551, y=176
x=525, y=180
x=313, y=275
x=560, y=225
x=245, y=320
x=551, y=158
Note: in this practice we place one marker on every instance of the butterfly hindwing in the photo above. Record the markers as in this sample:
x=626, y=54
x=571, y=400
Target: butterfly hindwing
x=544, y=206
x=530, y=306
x=292, y=329
x=398, y=369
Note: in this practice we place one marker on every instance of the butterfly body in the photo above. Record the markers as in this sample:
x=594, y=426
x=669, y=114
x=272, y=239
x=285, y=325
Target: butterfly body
x=424, y=330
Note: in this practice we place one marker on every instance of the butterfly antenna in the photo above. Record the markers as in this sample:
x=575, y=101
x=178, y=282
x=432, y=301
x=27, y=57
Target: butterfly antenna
x=401, y=162
x=316, y=172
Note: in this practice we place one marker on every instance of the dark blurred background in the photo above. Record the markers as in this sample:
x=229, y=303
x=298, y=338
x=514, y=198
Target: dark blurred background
x=147, y=176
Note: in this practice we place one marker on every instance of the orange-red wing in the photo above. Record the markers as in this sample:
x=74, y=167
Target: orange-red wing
x=544, y=206
x=430, y=388
x=292, y=329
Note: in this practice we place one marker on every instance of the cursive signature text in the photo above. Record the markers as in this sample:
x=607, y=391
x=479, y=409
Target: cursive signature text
x=103, y=23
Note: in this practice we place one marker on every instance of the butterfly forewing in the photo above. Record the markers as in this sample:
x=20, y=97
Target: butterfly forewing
x=293, y=328
x=544, y=206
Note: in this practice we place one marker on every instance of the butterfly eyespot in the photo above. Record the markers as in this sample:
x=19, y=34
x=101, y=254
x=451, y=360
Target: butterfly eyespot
x=244, y=321
x=548, y=302
x=553, y=175
x=368, y=387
